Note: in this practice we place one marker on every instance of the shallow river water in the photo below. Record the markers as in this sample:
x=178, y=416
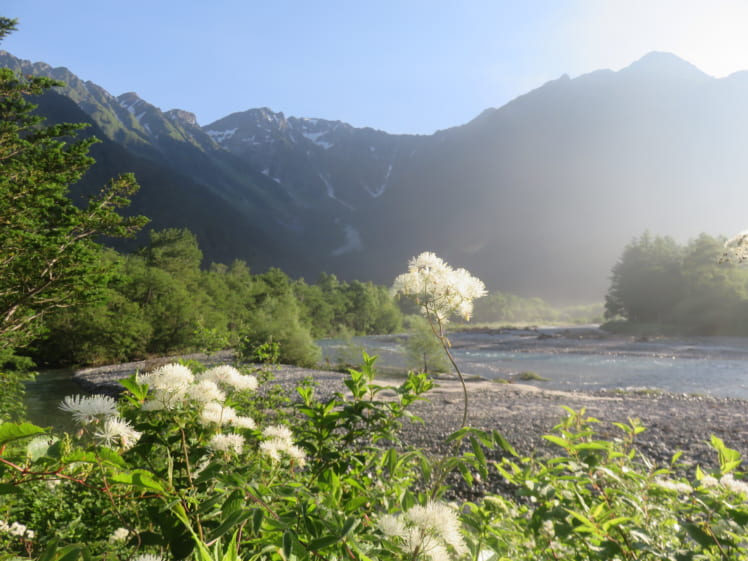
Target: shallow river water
x=569, y=358
x=587, y=359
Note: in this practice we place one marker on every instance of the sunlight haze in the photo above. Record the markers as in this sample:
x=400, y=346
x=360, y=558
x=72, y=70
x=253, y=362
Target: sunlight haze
x=402, y=67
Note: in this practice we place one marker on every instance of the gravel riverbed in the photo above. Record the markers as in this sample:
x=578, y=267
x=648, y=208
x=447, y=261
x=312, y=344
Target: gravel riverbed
x=524, y=413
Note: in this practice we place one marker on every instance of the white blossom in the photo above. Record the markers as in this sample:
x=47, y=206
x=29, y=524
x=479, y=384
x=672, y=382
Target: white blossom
x=429, y=529
x=205, y=391
x=227, y=443
x=279, y=443
x=242, y=422
x=736, y=248
x=438, y=288
x=16, y=529
x=119, y=535
x=169, y=385
x=89, y=408
x=217, y=414
x=278, y=431
x=734, y=485
x=117, y=433
x=709, y=482
x=229, y=376
x=677, y=486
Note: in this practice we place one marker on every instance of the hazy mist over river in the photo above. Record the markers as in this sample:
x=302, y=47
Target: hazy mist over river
x=586, y=359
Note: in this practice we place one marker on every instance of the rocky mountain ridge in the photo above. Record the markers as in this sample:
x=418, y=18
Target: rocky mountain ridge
x=536, y=197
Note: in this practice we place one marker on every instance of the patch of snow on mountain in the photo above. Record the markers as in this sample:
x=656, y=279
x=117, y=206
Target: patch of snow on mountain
x=222, y=136
x=266, y=171
x=352, y=242
x=314, y=137
x=376, y=193
x=331, y=192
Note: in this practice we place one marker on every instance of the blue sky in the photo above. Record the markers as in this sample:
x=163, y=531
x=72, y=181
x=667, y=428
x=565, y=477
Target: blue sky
x=403, y=66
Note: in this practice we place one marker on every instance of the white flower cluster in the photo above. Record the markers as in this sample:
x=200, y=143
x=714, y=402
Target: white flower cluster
x=431, y=530
x=215, y=413
x=677, y=486
x=736, y=248
x=278, y=443
x=230, y=377
x=119, y=535
x=438, y=288
x=88, y=409
x=734, y=485
x=101, y=411
x=227, y=443
x=16, y=529
x=174, y=385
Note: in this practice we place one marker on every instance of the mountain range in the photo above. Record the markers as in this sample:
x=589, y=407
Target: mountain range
x=537, y=197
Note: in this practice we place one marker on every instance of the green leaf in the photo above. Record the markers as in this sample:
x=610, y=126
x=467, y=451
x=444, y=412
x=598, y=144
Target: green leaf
x=257, y=517
x=287, y=543
x=138, y=478
x=350, y=523
x=323, y=542
x=699, y=535
x=235, y=518
x=503, y=443
x=565, y=444
x=14, y=431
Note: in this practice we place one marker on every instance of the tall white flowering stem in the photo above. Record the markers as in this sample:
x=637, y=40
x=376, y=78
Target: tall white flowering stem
x=441, y=292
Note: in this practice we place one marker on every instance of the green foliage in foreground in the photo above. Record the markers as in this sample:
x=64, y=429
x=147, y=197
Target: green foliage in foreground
x=177, y=482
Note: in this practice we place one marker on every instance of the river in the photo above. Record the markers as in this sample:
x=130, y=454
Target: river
x=585, y=358
x=577, y=358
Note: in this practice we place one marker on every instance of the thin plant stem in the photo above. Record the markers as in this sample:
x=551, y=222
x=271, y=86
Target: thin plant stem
x=439, y=333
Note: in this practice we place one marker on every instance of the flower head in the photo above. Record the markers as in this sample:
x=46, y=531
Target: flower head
x=217, y=414
x=205, y=391
x=228, y=376
x=227, y=443
x=117, y=433
x=431, y=529
x=439, y=289
x=89, y=408
x=279, y=444
x=16, y=529
x=119, y=535
x=169, y=385
x=734, y=485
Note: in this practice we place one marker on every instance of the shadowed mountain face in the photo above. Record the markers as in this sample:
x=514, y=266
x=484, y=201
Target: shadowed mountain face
x=537, y=197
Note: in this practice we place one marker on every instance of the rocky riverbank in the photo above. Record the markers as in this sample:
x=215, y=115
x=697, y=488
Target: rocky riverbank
x=523, y=414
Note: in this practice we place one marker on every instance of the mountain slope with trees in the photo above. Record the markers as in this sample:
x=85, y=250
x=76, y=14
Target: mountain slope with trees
x=537, y=197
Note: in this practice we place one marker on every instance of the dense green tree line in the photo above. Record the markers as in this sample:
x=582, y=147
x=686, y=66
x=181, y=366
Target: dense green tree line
x=66, y=298
x=158, y=301
x=685, y=288
x=502, y=307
